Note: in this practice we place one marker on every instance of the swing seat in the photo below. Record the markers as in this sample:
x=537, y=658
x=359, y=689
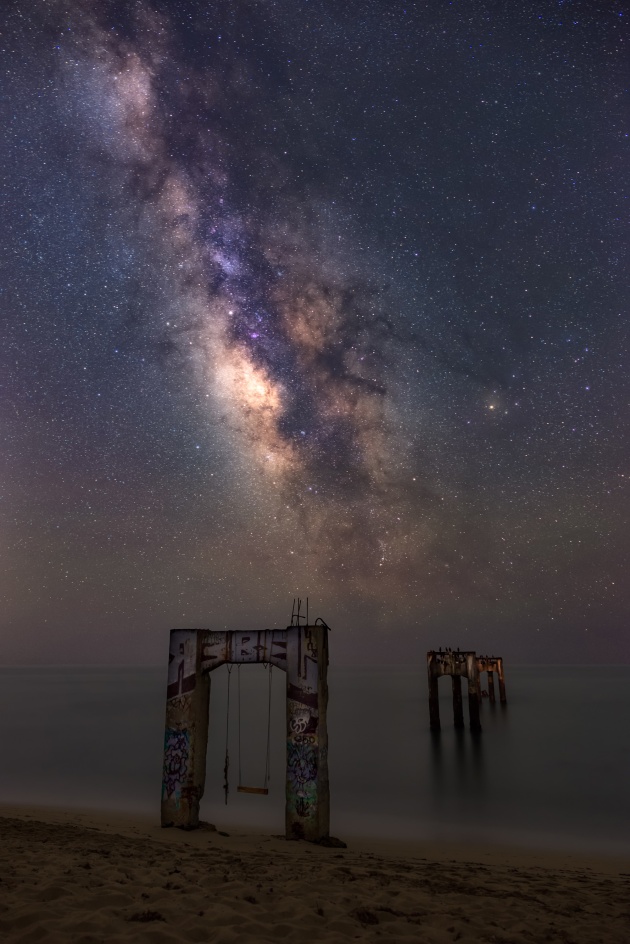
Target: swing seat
x=259, y=791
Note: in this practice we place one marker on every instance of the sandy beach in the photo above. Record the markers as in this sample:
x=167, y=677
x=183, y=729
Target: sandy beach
x=86, y=877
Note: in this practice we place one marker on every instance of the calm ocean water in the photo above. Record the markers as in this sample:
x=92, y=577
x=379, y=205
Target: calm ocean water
x=551, y=769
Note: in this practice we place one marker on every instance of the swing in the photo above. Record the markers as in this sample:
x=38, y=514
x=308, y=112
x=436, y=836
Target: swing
x=241, y=788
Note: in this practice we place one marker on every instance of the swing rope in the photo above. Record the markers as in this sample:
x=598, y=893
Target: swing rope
x=268, y=752
x=264, y=790
x=238, y=680
x=226, y=784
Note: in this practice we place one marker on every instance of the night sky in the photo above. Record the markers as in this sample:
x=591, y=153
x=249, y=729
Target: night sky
x=321, y=298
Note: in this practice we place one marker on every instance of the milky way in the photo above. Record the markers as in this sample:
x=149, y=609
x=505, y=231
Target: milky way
x=302, y=299
x=292, y=350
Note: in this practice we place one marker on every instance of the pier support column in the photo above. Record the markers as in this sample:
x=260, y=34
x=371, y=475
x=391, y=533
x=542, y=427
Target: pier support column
x=491, y=694
x=458, y=707
x=186, y=734
x=307, y=788
x=502, y=697
x=473, y=692
x=434, y=702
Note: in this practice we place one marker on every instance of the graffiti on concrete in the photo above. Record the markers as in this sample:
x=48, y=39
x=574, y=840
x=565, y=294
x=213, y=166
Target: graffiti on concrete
x=181, y=703
x=176, y=754
x=302, y=652
x=302, y=772
x=301, y=720
x=265, y=645
x=302, y=760
x=182, y=664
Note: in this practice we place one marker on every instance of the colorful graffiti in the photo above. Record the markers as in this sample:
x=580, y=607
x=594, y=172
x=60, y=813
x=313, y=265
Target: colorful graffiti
x=302, y=652
x=302, y=772
x=301, y=760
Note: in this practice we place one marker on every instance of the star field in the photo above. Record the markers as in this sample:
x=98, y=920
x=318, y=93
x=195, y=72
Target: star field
x=310, y=298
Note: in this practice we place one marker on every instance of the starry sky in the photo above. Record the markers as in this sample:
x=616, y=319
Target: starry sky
x=300, y=297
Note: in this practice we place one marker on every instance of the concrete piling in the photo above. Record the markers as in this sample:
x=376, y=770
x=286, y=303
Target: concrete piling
x=458, y=706
x=502, y=697
x=434, y=703
x=186, y=734
x=491, y=665
x=474, y=691
x=491, y=694
x=460, y=665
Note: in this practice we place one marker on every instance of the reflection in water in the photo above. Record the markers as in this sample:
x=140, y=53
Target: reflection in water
x=550, y=768
x=456, y=764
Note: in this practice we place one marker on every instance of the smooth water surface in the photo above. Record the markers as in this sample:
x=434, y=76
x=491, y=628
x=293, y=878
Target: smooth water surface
x=552, y=768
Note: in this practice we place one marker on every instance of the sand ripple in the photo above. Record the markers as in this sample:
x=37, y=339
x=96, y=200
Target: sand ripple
x=67, y=883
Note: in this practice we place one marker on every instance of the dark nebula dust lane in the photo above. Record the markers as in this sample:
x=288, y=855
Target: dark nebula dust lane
x=307, y=299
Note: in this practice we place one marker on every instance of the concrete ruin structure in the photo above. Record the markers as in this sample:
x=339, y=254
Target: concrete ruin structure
x=460, y=665
x=302, y=652
x=490, y=665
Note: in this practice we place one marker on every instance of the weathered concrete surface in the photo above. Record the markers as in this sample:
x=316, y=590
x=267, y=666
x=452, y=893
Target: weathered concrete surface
x=458, y=705
x=302, y=651
x=186, y=734
x=458, y=665
x=462, y=665
x=490, y=665
x=502, y=696
x=307, y=788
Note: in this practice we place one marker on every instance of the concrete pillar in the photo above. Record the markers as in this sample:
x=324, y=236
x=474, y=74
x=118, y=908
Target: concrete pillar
x=491, y=686
x=458, y=708
x=502, y=697
x=434, y=702
x=472, y=672
x=307, y=788
x=186, y=735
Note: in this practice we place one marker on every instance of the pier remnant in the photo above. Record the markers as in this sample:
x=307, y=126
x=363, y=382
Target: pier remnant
x=462, y=665
x=302, y=651
x=458, y=665
x=490, y=665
